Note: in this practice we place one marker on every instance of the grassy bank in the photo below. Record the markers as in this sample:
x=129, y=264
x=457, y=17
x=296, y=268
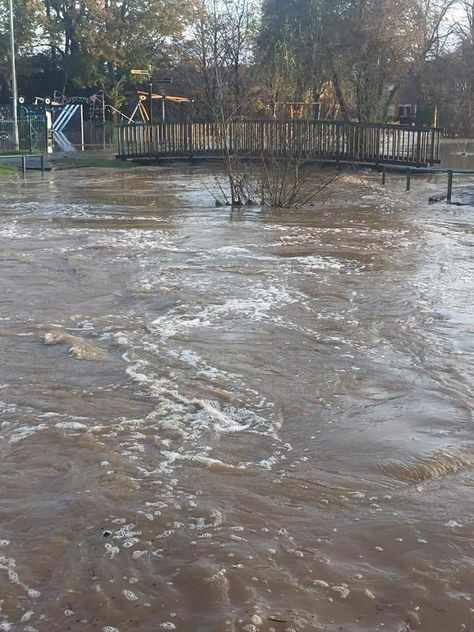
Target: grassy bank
x=5, y=169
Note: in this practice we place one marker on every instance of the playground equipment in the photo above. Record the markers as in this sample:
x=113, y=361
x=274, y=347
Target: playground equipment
x=296, y=109
x=60, y=122
x=64, y=123
x=146, y=115
x=47, y=119
x=141, y=109
x=65, y=109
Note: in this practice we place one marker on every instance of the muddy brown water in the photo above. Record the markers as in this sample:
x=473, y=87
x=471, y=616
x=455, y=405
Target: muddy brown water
x=216, y=421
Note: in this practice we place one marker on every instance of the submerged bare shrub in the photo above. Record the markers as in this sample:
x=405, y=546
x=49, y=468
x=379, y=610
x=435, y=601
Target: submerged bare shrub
x=273, y=182
x=286, y=183
x=276, y=176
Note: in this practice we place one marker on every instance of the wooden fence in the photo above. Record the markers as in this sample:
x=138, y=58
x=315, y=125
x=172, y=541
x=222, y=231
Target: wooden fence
x=296, y=139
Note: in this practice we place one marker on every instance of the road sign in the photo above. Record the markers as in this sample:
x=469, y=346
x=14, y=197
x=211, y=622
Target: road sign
x=136, y=71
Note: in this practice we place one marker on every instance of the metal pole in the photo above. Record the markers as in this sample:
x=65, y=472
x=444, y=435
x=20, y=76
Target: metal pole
x=150, y=96
x=408, y=179
x=384, y=175
x=48, y=117
x=82, y=127
x=103, y=120
x=163, y=114
x=16, y=135
x=450, y=186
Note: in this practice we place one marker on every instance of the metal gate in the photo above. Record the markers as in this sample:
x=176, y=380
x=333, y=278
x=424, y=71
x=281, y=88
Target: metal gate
x=32, y=131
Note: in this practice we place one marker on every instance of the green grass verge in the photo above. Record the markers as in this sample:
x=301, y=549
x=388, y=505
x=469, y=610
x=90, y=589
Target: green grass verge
x=69, y=162
x=7, y=168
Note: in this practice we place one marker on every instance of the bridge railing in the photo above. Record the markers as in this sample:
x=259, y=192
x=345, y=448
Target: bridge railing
x=297, y=139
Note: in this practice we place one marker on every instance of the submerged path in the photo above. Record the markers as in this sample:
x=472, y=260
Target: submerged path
x=244, y=421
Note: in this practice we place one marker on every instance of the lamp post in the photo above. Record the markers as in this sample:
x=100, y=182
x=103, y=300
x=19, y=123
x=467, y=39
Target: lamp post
x=16, y=136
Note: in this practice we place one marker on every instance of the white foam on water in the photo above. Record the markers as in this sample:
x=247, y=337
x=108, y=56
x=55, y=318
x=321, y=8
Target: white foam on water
x=342, y=590
x=231, y=250
x=185, y=427
x=258, y=305
x=186, y=355
x=72, y=211
x=27, y=616
x=70, y=425
x=111, y=551
x=129, y=595
x=132, y=240
x=127, y=532
x=193, y=359
x=202, y=459
x=228, y=418
x=25, y=431
x=368, y=593
x=8, y=564
x=268, y=463
x=197, y=413
x=316, y=262
x=13, y=231
x=6, y=408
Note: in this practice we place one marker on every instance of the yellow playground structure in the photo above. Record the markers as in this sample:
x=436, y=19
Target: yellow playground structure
x=144, y=113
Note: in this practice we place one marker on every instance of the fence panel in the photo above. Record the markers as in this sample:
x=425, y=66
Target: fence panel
x=32, y=134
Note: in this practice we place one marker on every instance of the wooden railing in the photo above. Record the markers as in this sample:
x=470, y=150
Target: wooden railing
x=297, y=139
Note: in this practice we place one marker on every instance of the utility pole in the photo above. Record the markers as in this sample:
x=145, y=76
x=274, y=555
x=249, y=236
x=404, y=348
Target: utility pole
x=16, y=136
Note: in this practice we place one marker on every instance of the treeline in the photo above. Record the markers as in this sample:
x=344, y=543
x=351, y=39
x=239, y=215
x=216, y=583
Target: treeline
x=348, y=59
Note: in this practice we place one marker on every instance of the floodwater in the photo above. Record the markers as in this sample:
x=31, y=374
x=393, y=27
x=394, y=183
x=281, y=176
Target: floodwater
x=247, y=421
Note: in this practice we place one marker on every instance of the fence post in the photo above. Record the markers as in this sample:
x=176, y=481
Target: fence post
x=432, y=148
x=408, y=179
x=384, y=174
x=23, y=163
x=418, y=148
x=449, y=194
x=42, y=163
x=29, y=134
